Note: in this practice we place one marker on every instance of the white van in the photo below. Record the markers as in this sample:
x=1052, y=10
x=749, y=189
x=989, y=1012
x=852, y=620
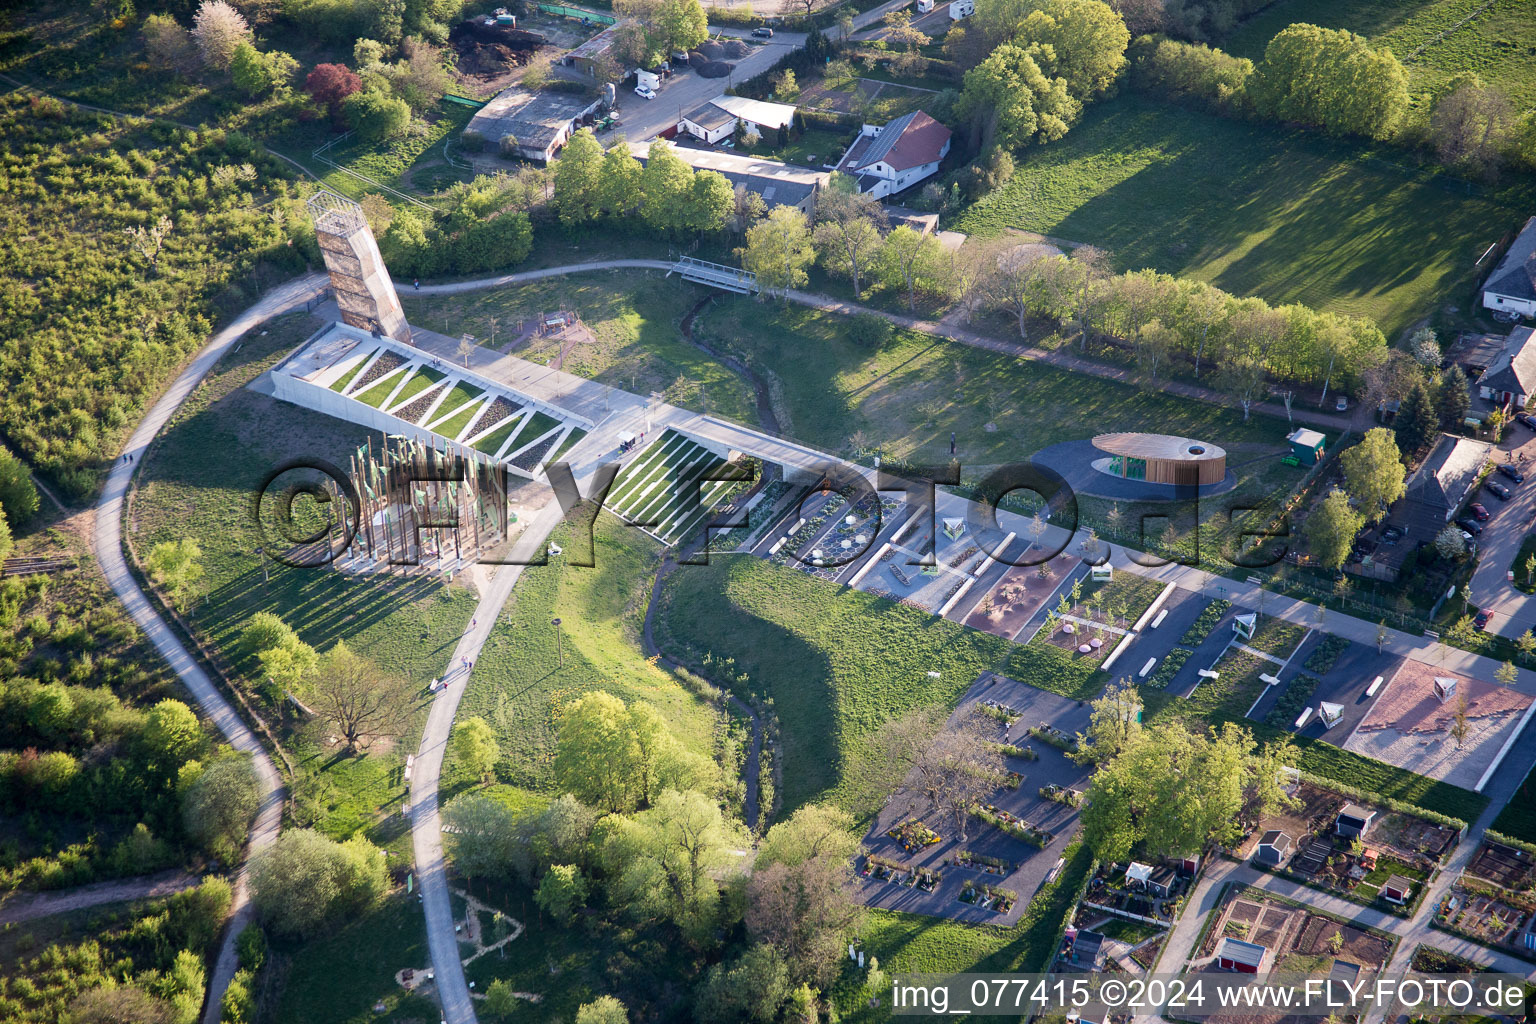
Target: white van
x=961, y=9
x=924, y=6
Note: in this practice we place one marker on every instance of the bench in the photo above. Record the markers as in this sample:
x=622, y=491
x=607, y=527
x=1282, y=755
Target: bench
x=1207, y=673
x=1370, y=691
x=1268, y=679
x=1146, y=668
x=1160, y=617
x=1306, y=716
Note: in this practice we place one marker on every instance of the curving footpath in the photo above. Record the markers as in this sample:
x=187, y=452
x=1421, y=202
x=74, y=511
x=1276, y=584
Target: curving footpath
x=108, y=545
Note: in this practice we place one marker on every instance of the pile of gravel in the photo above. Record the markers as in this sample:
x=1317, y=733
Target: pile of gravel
x=713, y=69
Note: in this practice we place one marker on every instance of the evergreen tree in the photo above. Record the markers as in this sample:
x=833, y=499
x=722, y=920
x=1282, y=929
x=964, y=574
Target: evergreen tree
x=1452, y=398
x=1416, y=421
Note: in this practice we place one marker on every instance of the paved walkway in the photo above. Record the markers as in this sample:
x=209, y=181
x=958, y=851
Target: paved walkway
x=32, y=905
x=108, y=545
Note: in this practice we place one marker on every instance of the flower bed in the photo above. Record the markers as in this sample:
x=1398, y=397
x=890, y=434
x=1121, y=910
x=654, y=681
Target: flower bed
x=1047, y=733
x=913, y=835
x=1062, y=795
x=1012, y=824
x=1201, y=628
x=1002, y=712
x=1171, y=663
x=897, y=873
x=989, y=897
x=1025, y=753
x=1326, y=654
x=982, y=862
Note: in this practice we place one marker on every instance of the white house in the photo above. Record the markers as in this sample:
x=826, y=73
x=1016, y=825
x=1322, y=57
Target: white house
x=708, y=123
x=1511, y=378
x=886, y=160
x=719, y=118
x=1511, y=288
x=961, y=9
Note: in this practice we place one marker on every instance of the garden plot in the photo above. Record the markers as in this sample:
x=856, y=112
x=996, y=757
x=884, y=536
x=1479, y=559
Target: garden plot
x=1295, y=937
x=664, y=490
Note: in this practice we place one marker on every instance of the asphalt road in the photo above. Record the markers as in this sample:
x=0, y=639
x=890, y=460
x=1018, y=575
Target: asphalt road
x=108, y=545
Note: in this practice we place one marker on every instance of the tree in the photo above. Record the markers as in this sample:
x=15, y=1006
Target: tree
x=805, y=911
x=619, y=757
x=18, y=495
x=1416, y=424
x=710, y=202
x=218, y=29
x=375, y=115
x=500, y=1001
x=302, y=880
x=1009, y=101
x=669, y=861
x=958, y=767
x=1525, y=643
x=660, y=28
x=330, y=84
x=175, y=567
x=562, y=892
x=1253, y=332
x=747, y=208
x=848, y=231
x=1452, y=398
x=168, y=44
x=1425, y=347
x=578, y=179
x=421, y=79
x=1450, y=543
x=812, y=831
x=219, y=804
x=1113, y=726
x=603, y=1010
x=1471, y=124
x=904, y=257
x=475, y=747
x=255, y=73
x=751, y=989
x=665, y=185
x=778, y=250
x=1332, y=79
x=1373, y=472
x=1154, y=346
x=1331, y=529
x=172, y=736
x=1506, y=674
x=619, y=183
x=353, y=696
x=288, y=666
x=801, y=8
x=483, y=837
x=1085, y=40
x=1460, y=727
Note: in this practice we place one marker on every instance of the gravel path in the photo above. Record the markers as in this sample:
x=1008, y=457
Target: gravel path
x=32, y=905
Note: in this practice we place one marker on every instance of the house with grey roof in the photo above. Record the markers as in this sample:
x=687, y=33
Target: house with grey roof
x=531, y=125
x=1438, y=487
x=887, y=159
x=1511, y=288
x=779, y=184
x=720, y=117
x=1510, y=379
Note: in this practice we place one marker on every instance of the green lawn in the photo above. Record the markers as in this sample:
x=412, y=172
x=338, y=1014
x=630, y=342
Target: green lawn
x=1276, y=636
x=518, y=684
x=1497, y=45
x=198, y=482
x=634, y=318
x=337, y=978
x=1257, y=209
x=837, y=664
x=907, y=397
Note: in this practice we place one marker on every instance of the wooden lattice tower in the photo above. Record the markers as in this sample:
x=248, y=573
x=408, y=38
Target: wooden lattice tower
x=421, y=504
x=363, y=289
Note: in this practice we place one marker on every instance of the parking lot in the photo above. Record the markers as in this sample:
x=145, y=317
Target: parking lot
x=1512, y=611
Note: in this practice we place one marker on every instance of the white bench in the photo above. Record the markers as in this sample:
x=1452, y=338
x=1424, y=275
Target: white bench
x=1146, y=668
x=1268, y=679
x=1306, y=716
x=1160, y=617
x=1370, y=691
x=1206, y=673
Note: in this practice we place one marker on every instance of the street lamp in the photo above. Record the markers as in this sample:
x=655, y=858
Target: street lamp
x=559, y=652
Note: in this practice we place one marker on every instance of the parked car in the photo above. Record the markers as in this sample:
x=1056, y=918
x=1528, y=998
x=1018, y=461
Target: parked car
x=1513, y=473
x=1526, y=419
x=1470, y=525
x=1391, y=535
x=645, y=92
x=1341, y=404
x=1497, y=489
x=1479, y=512
x=763, y=32
x=1480, y=620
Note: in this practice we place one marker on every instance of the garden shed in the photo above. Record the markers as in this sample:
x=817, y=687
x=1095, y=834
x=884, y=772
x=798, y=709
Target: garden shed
x=1353, y=820
x=1307, y=445
x=1398, y=888
x=1274, y=846
x=1237, y=955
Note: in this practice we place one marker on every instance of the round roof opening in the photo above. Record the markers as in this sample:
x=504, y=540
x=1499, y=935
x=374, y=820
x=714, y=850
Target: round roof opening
x=1196, y=449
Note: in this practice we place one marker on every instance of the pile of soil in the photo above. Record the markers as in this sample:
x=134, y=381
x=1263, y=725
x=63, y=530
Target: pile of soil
x=713, y=69
x=712, y=50
x=735, y=49
x=490, y=50
x=695, y=58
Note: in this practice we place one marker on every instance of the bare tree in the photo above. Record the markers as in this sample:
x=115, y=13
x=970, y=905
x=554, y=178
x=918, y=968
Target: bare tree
x=466, y=349
x=1470, y=125
x=1461, y=727
x=1015, y=282
x=149, y=242
x=1092, y=264
x=357, y=699
x=960, y=767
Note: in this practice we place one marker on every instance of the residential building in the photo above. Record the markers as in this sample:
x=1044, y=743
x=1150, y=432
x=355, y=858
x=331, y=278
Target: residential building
x=1438, y=487
x=1510, y=379
x=778, y=183
x=720, y=118
x=886, y=160
x=531, y=125
x=1511, y=288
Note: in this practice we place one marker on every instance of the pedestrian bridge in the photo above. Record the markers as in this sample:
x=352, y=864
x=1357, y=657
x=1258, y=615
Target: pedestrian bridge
x=716, y=275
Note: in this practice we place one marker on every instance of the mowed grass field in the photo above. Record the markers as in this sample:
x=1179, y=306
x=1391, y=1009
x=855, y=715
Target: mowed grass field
x=634, y=317
x=519, y=684
x=907, y=397
x=1257, y=209
x=1499, y=44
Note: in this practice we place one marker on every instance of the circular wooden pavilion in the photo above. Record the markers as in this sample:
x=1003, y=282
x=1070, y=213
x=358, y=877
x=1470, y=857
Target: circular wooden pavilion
x=1163, y=458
